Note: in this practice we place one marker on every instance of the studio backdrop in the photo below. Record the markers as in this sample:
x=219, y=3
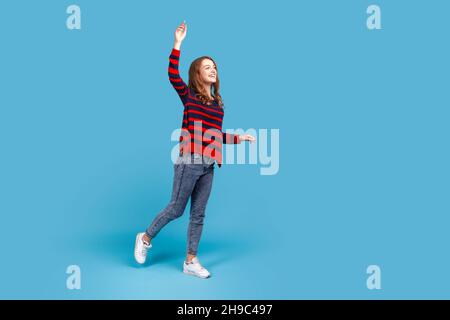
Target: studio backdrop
x=343, y=195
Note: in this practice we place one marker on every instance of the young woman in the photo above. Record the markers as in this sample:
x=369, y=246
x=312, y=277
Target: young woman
x=200, y=147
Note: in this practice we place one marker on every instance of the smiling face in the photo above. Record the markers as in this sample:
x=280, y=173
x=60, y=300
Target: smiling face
x=204, y=80
x=208, y=71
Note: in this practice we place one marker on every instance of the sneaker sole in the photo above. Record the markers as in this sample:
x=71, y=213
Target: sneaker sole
x=135, y=254
x=195, y=274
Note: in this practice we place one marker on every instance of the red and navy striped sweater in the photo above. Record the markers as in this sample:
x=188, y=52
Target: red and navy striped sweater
x=201, y=130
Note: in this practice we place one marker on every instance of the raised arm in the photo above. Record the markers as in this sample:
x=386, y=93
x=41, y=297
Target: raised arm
x=174, y=59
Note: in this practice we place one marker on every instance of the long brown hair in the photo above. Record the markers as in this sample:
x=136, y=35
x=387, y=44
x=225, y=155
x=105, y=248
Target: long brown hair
x=196, y=83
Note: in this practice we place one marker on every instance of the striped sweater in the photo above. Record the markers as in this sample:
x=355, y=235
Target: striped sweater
x=201, y=129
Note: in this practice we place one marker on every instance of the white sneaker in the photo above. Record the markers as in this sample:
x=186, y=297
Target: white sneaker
x=140, y=249
x=196, y=269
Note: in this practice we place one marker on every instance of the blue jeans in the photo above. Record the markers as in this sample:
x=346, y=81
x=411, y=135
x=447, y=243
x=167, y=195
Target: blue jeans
x=193, y=178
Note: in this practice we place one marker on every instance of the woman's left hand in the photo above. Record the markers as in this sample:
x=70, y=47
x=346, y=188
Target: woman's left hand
x=247, y=137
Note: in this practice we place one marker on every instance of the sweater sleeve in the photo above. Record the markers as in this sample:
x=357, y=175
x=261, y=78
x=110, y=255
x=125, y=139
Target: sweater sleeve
x=174, y=75
x=230, y=138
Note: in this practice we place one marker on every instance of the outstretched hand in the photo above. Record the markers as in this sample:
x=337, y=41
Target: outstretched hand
x=247, y=137
x=180, y=32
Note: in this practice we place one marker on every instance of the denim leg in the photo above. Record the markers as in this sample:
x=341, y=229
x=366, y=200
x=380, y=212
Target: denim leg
x=183, y=183
x=199, y=198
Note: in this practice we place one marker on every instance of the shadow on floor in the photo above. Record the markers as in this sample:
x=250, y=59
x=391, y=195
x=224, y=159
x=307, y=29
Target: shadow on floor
x=168, y=249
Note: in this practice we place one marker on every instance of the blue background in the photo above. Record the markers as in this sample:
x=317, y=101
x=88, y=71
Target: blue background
x=85, y=123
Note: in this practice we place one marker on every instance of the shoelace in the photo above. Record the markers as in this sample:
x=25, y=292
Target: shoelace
x=199, y=265
x=144, y=248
